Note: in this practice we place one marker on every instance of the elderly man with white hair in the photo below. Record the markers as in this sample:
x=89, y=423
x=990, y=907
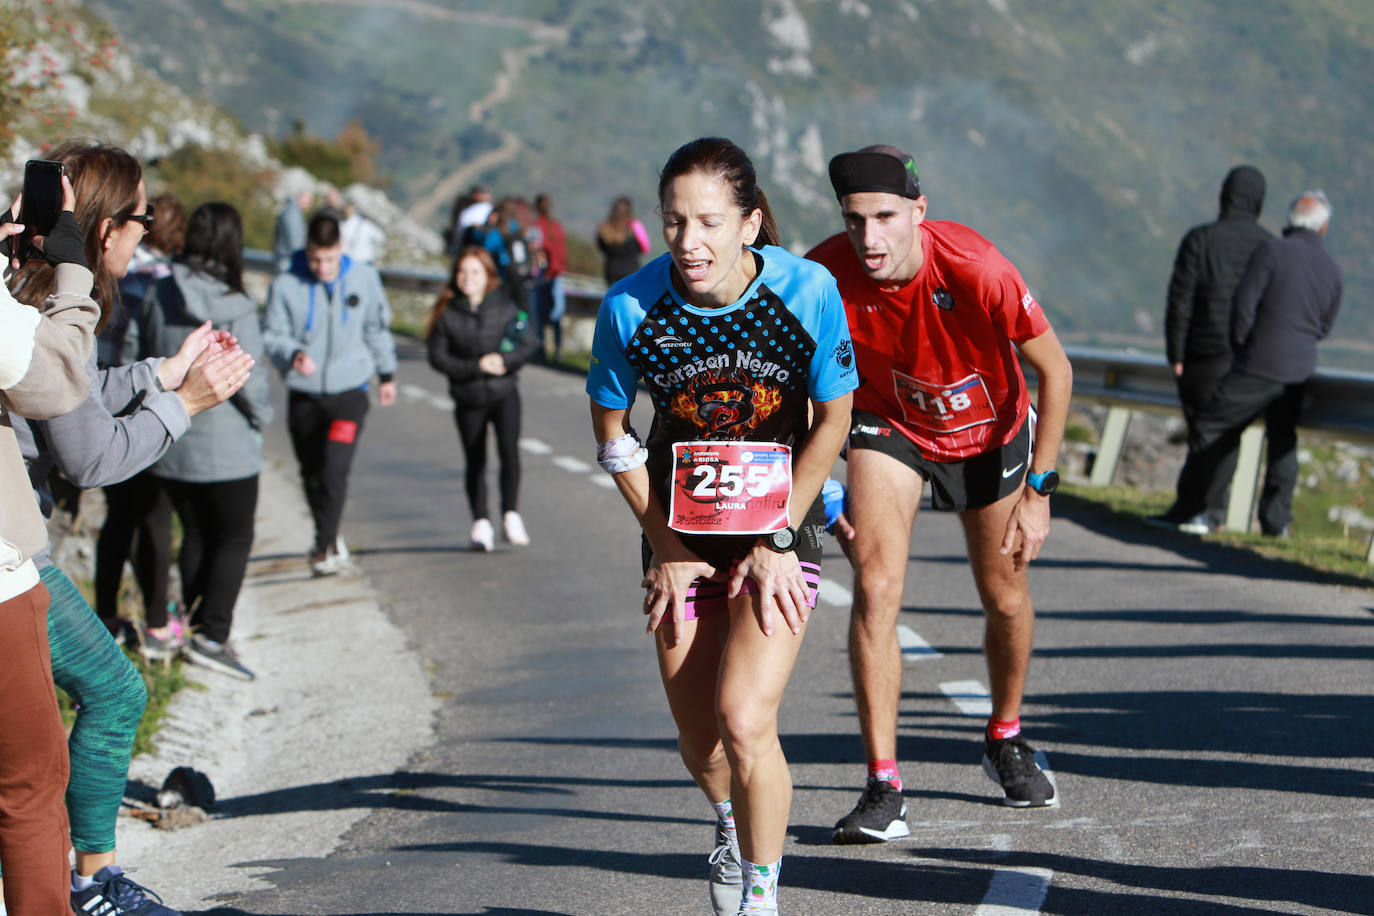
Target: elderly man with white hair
x=1286, y=302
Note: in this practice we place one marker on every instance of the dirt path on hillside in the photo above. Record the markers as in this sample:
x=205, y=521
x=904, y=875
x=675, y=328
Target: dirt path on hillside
x=544, y=37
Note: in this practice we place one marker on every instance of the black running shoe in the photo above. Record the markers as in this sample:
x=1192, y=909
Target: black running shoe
x=880, y=816
x=1010, y=762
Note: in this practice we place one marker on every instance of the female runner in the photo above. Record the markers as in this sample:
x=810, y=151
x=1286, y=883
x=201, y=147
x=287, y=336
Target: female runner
x=738, y=342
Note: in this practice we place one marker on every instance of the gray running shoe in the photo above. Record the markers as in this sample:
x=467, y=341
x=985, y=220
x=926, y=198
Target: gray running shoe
x=156, y=648
x=218, y=656
x=1010, y=762
x=879, y=816
x=727, y=878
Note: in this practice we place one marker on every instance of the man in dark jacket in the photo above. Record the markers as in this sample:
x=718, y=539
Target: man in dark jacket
x=1286, y=302
x=1210, y=261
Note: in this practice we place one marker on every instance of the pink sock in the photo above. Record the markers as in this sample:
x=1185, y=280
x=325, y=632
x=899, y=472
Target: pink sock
x=999, y=728
x=885, y=770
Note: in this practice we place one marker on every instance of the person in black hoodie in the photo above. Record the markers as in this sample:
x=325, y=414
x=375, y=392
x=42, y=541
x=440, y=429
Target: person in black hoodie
x=1285, y=303
x=479, y=338
x=1211, y=259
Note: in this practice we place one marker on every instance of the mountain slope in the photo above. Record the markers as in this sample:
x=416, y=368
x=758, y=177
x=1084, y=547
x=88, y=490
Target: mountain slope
x=1082, y=139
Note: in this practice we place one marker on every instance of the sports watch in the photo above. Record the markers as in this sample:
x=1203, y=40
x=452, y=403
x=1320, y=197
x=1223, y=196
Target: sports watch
x=781, y=541
x=1044, y=483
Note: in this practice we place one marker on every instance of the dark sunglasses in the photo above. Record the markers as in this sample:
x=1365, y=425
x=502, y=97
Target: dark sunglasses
x=146, y=218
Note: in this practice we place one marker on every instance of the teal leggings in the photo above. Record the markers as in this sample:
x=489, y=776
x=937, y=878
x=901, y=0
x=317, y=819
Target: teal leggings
x=110, y=697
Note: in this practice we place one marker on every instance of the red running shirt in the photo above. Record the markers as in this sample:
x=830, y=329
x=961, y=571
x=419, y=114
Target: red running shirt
x=936, y=357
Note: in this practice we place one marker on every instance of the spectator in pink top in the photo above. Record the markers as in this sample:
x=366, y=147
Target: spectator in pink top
x=623, y=240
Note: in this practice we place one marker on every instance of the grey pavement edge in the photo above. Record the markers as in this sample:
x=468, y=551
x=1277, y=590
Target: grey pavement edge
x=339, y=696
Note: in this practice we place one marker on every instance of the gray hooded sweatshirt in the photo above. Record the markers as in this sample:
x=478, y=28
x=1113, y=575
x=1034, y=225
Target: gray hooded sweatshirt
x=224, y=442
x=344, y=326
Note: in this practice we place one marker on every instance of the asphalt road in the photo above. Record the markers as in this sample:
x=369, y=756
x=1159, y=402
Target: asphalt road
x=1206, y=714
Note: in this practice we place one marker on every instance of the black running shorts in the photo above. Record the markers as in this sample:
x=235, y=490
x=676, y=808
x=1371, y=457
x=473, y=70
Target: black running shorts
x=955, y=485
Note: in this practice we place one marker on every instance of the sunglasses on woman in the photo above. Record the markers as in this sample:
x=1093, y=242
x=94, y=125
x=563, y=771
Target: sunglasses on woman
x=146, y=218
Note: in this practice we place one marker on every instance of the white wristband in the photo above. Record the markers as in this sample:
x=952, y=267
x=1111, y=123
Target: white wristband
x=621, y=454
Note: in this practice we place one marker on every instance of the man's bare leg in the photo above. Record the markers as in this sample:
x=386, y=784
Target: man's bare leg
x=1008, y=636
x=884, y=497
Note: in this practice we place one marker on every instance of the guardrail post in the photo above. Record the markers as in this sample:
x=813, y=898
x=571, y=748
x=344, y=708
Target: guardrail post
x=1111, y=445
x=1240, y=508
x=1369, y=554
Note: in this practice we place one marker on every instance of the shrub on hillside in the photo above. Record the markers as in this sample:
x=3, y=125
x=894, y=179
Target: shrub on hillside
x=197, y=175
x=339, y=162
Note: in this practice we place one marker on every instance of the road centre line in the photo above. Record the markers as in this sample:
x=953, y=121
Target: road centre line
x=604, y=481
x=914, y=648
x=536, y=447
x=571, y=464
x=971, y=697
x=414, y=391
x=1015, y=892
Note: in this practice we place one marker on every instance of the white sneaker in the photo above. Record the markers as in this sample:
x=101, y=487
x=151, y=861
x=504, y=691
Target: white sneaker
x=324, y=563
x=341, y=549
x=483, y=535
x=513, y=527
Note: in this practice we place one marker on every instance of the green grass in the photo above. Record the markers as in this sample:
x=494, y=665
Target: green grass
x=1339, y=554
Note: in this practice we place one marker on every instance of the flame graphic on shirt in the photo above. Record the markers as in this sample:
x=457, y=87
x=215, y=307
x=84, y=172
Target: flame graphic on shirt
x=727, y=402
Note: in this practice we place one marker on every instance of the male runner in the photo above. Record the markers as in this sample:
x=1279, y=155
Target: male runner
x=937, y=317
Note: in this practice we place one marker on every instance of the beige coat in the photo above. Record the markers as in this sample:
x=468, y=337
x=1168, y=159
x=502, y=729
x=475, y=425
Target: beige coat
x=43, y=357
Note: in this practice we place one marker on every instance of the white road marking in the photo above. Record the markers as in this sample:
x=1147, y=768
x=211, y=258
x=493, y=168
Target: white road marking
x=605, y=481
x=441, y=402
x=914, y=648
x=536, y=447
x=414, y=391
x=971, y=697
x=832, y=592
x=571, y=464
x=1015, y=892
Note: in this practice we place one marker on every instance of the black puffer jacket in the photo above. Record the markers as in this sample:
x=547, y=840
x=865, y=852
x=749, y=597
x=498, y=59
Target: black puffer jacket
x=463, y=335
x=1210, y=262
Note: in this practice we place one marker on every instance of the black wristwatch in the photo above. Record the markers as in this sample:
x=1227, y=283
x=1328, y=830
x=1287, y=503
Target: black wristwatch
x=781, y=541
x=1043, y=483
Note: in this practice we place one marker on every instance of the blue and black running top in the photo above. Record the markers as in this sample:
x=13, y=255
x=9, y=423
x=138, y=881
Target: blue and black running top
x=745, y=371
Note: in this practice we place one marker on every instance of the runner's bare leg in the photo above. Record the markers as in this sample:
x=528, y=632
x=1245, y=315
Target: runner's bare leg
x=1005, y=594
x=753, y=674
x=884, y=498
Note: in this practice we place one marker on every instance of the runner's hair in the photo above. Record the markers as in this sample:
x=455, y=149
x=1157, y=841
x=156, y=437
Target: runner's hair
x=719, y=156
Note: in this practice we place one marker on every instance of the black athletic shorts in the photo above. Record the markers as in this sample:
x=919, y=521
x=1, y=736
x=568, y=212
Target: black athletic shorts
x=954, y=485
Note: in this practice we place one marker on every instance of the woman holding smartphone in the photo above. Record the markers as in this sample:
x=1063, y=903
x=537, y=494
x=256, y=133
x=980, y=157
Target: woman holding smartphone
x=94, y=447
x=744, y=348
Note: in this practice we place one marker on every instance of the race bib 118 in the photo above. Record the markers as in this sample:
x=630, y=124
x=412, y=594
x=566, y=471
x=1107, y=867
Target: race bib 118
x=730, y=487
x=943, y=408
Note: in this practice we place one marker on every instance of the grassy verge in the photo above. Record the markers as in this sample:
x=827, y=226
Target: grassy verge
x=1341, y=553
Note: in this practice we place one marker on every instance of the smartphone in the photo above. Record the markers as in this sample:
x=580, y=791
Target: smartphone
x=42, y=196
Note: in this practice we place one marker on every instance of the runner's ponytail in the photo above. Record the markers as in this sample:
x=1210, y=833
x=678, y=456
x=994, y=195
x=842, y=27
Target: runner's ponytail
x=768, y=229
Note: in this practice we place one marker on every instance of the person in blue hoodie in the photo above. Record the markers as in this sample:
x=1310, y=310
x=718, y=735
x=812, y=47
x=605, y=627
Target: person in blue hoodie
x=327, y=329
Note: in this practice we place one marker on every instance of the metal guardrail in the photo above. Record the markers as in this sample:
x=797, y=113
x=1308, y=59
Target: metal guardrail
x=1337, y=402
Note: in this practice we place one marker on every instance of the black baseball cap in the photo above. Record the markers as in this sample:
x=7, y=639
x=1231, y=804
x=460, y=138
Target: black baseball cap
x=882, y=168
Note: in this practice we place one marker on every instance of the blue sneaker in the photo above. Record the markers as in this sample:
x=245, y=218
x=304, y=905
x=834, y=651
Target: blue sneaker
x=113, y=894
